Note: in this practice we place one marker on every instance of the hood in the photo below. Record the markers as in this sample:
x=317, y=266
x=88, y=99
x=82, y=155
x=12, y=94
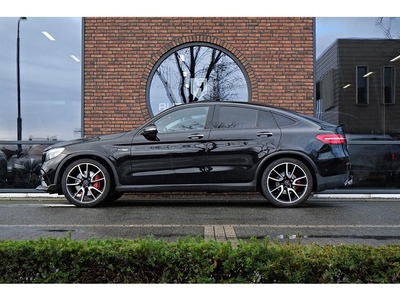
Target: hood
x=88, y=140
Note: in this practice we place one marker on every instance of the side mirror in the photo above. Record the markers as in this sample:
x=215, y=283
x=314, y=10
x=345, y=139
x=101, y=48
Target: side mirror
x=150, y=130
x=150, y=133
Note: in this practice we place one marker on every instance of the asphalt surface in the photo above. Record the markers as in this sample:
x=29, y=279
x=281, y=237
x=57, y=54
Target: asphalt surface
x=324, y=219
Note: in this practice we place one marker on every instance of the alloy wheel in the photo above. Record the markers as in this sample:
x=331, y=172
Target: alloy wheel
x=86, y=183
x=287, y=183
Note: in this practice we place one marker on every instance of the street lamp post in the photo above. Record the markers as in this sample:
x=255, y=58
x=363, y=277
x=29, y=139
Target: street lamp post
x=19, y=119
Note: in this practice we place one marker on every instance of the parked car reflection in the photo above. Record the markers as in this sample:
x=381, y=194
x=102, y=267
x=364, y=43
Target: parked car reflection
x=23, y=172
x=374, y=159
x=3, y=168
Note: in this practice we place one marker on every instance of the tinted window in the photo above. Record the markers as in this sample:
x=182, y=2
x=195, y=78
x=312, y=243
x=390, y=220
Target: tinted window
x=362, y=85
x=284, y=121
x=266, y=120
x=388, y=85
x=188, y=119
x=235, y=117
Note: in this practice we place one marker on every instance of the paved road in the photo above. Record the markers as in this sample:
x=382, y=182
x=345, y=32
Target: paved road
x=322, y=221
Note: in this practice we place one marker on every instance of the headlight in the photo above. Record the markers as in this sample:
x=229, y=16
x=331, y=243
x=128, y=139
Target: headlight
x=53, y=153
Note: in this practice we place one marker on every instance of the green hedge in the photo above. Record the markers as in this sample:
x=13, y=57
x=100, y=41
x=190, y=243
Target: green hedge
x=193, y=260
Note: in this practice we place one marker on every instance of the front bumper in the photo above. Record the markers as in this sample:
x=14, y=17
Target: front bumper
x=51, y=189
x=44, y=187
x=47, y=179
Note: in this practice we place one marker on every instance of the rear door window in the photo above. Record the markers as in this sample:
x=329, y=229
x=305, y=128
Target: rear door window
x=236, y=118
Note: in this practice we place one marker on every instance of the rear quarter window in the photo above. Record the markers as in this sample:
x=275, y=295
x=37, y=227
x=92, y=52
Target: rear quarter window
x=266, y=120
x=284, y=121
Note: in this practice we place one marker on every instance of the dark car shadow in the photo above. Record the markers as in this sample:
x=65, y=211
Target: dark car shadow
x=212, y=202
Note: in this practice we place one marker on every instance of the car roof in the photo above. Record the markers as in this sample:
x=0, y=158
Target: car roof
x=237, y=103
x=251, y=105
x=275, y=109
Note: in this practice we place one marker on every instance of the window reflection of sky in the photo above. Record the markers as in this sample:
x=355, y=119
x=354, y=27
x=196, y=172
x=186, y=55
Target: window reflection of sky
x=50, y=78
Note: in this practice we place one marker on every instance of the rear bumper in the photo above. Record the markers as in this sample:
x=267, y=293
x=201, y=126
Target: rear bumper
x=332, y=182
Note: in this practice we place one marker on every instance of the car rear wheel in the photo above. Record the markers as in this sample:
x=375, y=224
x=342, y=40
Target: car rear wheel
x=86, y=183
x=287, y=182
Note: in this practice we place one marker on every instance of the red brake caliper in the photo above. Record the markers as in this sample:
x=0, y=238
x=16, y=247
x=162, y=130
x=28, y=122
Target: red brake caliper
x=97, y=184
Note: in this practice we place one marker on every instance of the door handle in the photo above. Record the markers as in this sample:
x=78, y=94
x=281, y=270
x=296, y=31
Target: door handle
x=268, y=134
x=196, y=136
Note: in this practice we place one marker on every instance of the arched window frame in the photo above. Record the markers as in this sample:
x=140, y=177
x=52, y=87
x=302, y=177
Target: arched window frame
x=173, y=53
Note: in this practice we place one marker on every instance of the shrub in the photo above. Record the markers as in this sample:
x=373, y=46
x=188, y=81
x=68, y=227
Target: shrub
x=193, y=260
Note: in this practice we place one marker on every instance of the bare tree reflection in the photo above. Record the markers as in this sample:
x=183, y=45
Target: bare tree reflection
x=199, y=72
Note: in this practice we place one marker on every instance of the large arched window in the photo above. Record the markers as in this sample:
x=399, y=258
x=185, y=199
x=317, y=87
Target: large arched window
x=195, y=72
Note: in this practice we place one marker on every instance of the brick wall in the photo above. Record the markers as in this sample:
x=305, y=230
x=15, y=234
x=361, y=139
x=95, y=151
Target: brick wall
x=277, y=54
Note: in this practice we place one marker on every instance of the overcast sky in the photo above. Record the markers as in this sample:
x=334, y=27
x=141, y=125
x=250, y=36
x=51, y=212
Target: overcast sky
x=328, y=29
x=50, y=78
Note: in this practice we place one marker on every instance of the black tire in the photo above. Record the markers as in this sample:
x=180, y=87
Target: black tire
x=287, y=182
x=86, y=183
x=113, y=196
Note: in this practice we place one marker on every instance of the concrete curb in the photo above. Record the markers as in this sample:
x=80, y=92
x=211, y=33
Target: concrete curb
x=322, y=196
x=356, y=196
x=29, y=195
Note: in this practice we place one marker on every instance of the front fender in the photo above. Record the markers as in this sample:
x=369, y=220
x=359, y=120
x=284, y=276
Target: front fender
x=106, y=161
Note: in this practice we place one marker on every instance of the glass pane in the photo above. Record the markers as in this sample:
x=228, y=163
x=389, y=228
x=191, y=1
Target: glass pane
x=232, y=117
x=357, y=80
x=50, y=78
x=47, y=89
x=389, y=85
x=266, y=120
x=20, y=170
x=183, y=120
x=284, y=121
x=362, y=85
x=194, y=73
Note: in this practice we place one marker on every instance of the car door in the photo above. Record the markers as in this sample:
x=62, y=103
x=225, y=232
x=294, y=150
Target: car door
x=172, y=150
x=240, y=138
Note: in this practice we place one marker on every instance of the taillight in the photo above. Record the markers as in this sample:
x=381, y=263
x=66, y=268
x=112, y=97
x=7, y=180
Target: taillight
x=332, y=139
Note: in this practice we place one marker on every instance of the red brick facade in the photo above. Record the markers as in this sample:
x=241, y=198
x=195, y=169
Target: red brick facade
x=277, y=54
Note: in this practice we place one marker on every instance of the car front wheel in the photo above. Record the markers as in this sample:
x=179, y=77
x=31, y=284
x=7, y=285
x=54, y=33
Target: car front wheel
x=85, y=183
x=287, y=182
